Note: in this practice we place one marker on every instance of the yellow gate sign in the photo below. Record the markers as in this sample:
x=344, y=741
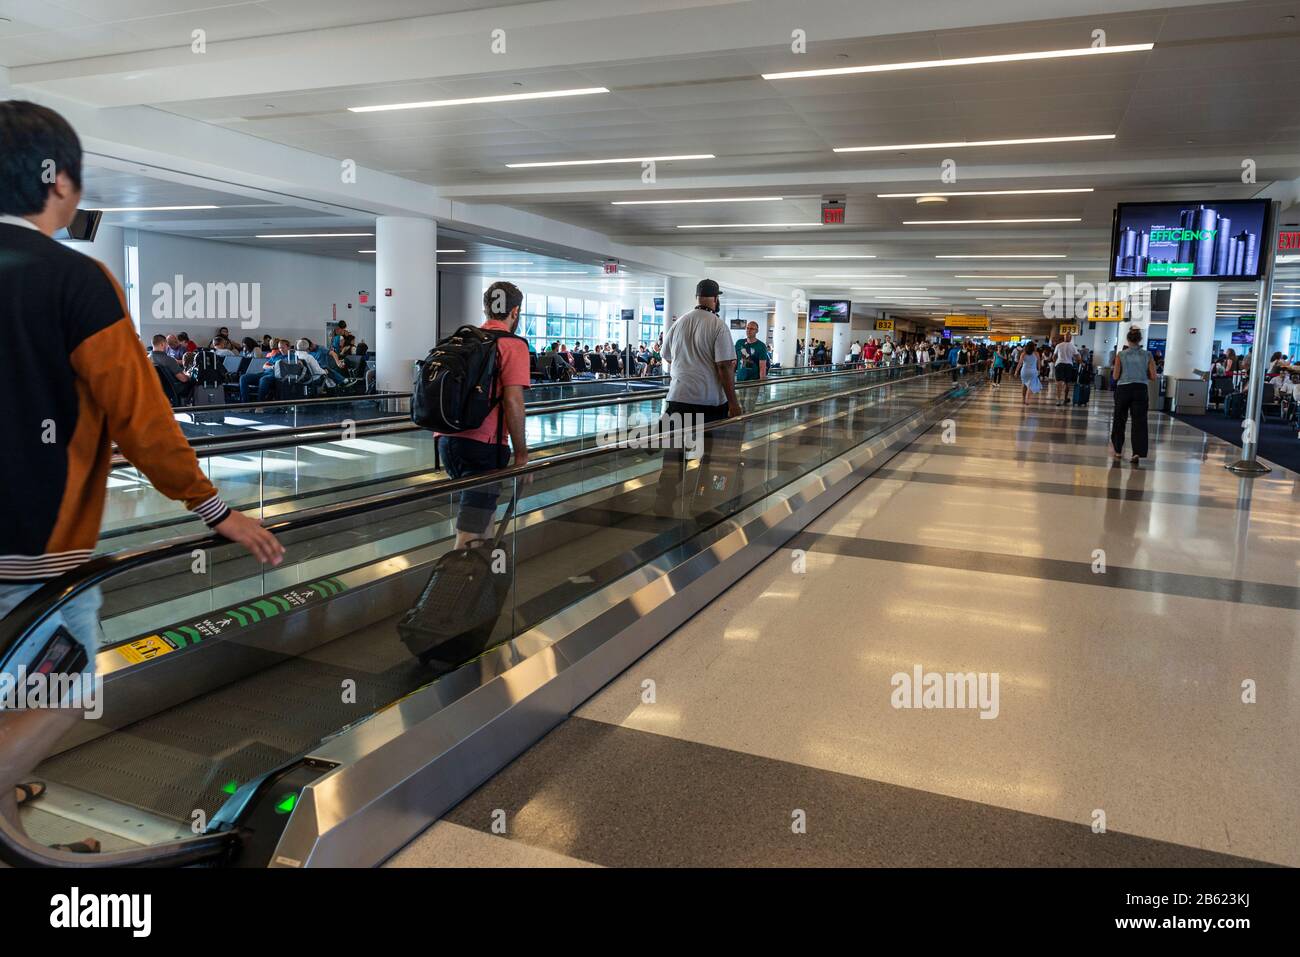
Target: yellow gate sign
x=980, y=323
x=1069, y=328
x=1106, y=311
x=884, y=325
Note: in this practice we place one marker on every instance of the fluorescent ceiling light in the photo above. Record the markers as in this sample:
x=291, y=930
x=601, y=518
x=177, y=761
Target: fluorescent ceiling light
x=310, y=235
x=716, y=199
x=1012, y=298
x=440, y=251
x=485, y=263
x=465, y=101
x=624, y=159
x=985, y=192
x=146, y=209
x=1052, y=276
x=889, y=288
x=986, y=222
x=746, y=225
x=960, y=61
x=1004, y=256
x=857, y=275
x=819, y=257
x=958, y=144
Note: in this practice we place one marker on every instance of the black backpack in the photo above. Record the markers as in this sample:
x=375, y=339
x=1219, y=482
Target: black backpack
x=456, y=383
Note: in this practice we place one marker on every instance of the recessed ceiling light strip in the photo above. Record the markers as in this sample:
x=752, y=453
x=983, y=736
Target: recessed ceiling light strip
x=960, y=144
x=466, y=101
x=961, y=61
x=623, y=159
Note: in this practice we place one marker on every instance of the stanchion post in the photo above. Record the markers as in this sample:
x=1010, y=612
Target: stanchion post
x=1248, y=465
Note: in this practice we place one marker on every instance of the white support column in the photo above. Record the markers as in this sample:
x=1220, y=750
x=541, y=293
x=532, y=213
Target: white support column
x=840, y=339
x=406, y=322
x=681, y=299
x=460, y=300
x=786, y=333
x=1192, y=306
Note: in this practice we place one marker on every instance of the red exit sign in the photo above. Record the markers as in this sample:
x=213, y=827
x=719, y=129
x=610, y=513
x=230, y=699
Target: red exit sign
x=1287, y=241
x=833, y=210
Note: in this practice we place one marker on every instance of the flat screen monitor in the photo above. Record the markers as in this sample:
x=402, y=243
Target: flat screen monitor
x=84, y=226
x=1243, y=338
x=1209, y=241
x=1156, y=345
x=829, y=310
x=628, y=315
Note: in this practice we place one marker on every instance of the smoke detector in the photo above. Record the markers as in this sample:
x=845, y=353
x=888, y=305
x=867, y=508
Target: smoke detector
x=931, y=200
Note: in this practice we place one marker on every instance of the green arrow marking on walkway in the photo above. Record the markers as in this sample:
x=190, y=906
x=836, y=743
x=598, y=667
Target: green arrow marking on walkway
x=282, y=602
x=265, y=607
x=286, y=804
x=251, y=613
x=195, y=635
x=177, y=640
x=239, y=618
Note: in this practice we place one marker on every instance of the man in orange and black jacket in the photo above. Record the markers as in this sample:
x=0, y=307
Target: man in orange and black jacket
x=78, y=381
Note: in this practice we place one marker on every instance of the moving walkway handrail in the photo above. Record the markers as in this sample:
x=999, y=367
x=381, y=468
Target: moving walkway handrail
x=386, y=425
x=19, y=850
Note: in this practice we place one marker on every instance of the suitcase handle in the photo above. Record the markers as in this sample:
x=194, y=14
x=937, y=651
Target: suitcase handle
x=505, y=519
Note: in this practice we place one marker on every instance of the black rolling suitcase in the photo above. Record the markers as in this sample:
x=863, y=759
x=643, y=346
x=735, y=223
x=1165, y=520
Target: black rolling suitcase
x=456, y=613
x=1235, y=405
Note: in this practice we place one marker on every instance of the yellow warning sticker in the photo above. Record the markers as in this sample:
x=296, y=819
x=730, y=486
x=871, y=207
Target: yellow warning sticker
x=144, y=649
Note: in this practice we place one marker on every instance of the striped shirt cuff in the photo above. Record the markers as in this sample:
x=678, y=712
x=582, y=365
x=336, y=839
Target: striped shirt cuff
x=213, y=511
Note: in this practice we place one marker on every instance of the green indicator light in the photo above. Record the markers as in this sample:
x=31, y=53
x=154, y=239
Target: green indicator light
x=286, y=804
x=231, y=787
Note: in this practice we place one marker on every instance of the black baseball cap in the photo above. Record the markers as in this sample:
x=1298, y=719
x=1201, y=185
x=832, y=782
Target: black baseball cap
x=707, y=287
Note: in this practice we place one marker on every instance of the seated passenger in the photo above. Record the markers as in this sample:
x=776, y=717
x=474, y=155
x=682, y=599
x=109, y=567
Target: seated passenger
x=310, y=357
x=182, y=383
x=265, y=376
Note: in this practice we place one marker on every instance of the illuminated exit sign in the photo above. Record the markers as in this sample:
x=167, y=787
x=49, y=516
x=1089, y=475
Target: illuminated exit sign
x=833, y=210
x=1288, y=241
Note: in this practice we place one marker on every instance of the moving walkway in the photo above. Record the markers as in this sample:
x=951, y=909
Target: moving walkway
x=276, y=710
x=274, y=472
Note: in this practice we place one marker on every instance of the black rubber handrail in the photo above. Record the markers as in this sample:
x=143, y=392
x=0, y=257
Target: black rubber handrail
x=385, y=425
x=18, y=850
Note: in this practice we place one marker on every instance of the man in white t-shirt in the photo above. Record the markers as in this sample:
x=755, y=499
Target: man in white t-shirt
x=1064, y=356
x=701, y=360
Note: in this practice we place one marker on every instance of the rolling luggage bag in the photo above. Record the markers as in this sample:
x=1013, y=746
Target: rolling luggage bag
x=209, y=395
x=1082, y=393
x=456, y=613
x=1235, y=406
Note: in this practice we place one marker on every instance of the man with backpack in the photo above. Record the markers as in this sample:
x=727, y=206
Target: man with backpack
x=482, y=448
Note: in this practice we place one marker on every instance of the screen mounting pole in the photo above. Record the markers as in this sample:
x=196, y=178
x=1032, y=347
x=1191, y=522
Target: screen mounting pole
x=1248, y=465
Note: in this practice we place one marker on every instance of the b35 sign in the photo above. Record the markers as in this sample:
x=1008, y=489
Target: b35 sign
x=1106, y=311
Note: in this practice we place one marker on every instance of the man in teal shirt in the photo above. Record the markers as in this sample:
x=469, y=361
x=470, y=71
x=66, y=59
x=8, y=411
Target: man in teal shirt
x=751, y=356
